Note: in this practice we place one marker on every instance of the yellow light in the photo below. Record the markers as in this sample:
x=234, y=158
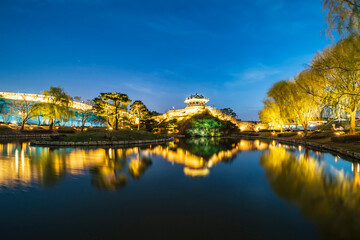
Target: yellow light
x=299, y=133
x=110, y=128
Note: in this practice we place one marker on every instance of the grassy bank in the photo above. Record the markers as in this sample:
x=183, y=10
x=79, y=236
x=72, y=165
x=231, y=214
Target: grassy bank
x=333, y=139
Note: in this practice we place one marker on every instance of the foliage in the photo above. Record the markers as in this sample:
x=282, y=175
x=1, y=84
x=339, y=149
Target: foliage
x=228, y=111
x=205, y=127
x=112, y=106
x=205, y=124
x=153, y=113
x=287, y=103
x=139, y=110
x=271, y=115
x=343, y=16
x=320, y=135
x=57, y=107
x=289, y=134
x=24, y=110
x=84, y=115
x=338, y=68
x=346, y=138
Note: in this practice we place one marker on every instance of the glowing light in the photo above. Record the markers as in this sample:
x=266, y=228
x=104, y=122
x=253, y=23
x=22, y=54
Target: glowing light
x=40, y=98
x=110, y=128
x=196, y=172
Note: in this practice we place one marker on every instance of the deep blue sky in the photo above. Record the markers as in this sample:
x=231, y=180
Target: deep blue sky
x=159, y=51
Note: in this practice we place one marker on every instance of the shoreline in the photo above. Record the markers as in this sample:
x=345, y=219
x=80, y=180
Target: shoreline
x=308, y=144
x=100, y=143
x=28, y=136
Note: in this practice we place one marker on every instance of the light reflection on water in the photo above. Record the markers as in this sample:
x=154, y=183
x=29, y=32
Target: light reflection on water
x=323, y=187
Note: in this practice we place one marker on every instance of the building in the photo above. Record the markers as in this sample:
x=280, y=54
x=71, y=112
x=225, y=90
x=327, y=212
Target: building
x=196, y=103
x=8, y=98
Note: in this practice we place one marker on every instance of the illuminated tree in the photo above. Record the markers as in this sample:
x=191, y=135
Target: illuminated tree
x=271, y=115
x=342, y=16
x=290, y=103
x=57, y=106
x=25, y=110
x=303, y=107
x=338, y=68
x=139, y=110
x=84, y=115
x=112, y=106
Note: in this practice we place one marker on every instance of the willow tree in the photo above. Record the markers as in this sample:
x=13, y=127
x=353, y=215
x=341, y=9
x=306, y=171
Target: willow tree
x=295, y=105
x=304, y=106
x=55, y=107
x=339, y=69
x=112, y=106
x=271, y=115
x=139, y=110
x=343, y=16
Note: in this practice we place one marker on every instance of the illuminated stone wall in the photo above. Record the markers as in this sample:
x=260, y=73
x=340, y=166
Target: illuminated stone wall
x=180, y=114
x=40, y=98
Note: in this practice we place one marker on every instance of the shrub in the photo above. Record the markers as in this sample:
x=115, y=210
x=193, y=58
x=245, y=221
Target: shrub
x=66, y=130
x=290, y=134
x=319, y=135
x=346, y=138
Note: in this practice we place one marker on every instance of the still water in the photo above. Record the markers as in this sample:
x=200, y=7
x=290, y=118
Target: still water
x=194, y=188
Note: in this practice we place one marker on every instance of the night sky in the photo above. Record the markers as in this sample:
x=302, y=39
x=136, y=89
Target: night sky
x=159, y=51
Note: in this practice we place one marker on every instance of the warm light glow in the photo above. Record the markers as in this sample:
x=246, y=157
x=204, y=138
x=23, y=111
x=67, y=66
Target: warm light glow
x=40, y=98
x=196, y=172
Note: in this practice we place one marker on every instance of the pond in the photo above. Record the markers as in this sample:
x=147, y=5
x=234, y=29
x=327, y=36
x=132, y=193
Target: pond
x=189, y=188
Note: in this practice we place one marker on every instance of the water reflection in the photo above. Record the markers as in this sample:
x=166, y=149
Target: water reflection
x=325, y=188
x=24, y=165
x=327, y=196
x=200, y=154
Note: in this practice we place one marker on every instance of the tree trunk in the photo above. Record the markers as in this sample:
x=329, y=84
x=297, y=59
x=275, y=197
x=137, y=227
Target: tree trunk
x=305, y=126
x=139, y=125
x=116, y=116
x=22, y=125
x=51, y=124
x=352, y=122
